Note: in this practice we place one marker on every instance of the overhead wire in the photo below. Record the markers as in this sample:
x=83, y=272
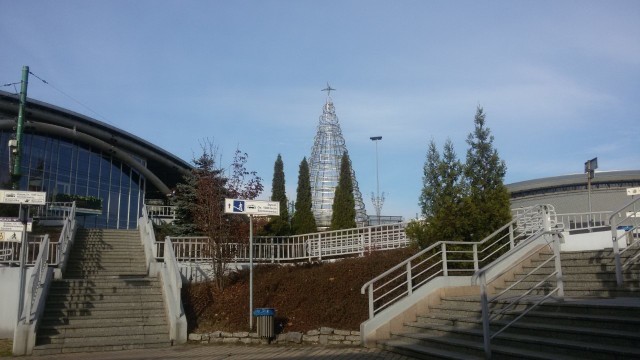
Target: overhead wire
x=72, y=98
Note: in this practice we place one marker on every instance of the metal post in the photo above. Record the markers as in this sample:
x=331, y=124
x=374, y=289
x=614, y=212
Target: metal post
x=558, y=264
x=616, y=250
x=23, y=257
x=377, y=201
x=15, y=173
x=250, y=272
x=486, y=330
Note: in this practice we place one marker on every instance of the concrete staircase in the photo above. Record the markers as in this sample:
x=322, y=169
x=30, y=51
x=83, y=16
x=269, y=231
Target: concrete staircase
x=596, y=320
x=105, y=300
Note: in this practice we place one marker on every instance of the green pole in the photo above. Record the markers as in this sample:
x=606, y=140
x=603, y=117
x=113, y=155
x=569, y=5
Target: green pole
x=19, y=129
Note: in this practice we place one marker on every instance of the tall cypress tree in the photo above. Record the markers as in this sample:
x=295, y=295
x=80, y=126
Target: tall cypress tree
x=303, y=221
x=344, y=204
x=485, y=171
x=279, y=225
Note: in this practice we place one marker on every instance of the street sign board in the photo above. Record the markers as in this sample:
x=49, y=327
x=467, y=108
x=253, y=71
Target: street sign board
x=23, y=197
x=11, y=224
x=252, y=207
x=15, y=236
x=633, y=191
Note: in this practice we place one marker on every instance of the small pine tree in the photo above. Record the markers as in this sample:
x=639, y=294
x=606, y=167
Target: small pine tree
x=344, y=204
x=485, y=171
x=442, y=198
x=279, y=225
x=303, y=221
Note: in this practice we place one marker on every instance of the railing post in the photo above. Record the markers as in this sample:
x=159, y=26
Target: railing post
x=616, y=250
x=319, y=247
x=558, y=264
x=273, y=253
x=409, y=281
x=512, y=243
x=445, y=270
x=486, y=334
x=370, y=240
x=362, y=240
x=371, y=309
x=476, y=266
x=546, y=219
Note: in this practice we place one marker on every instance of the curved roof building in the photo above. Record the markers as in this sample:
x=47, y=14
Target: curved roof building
x=64, y=152
x=569, y=193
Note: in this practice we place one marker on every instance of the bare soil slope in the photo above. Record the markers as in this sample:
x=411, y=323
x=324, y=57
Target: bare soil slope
x=305, y=297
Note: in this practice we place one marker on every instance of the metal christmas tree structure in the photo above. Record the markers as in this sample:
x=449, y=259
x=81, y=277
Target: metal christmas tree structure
x=324, y=167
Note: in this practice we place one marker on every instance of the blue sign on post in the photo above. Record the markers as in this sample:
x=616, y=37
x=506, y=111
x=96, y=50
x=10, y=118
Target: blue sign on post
x=238, y=206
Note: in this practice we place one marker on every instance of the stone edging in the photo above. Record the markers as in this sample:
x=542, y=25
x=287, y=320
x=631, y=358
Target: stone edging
x=321, y=336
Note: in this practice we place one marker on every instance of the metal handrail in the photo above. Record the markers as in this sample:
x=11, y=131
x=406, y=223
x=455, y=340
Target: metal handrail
x=446, y=257
x=305, y=247
x=632, y=233
x=66, y=237
x=148, y=238
x=38, y=277
x=584, y=220
x=480, y=278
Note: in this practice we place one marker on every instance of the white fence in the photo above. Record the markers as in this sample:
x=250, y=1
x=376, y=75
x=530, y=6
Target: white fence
x=307, y=247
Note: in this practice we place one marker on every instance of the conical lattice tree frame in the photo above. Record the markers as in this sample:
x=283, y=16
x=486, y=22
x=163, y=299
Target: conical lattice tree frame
x=324, y=169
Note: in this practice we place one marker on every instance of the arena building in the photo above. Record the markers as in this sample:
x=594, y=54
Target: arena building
x=570, y=194
x=66, y=153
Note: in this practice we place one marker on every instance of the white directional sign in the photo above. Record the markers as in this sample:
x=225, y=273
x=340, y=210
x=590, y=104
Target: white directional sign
x=11, y=224
x=633, y=191
x=23, y=197
x=252, y=207
x=15, y=236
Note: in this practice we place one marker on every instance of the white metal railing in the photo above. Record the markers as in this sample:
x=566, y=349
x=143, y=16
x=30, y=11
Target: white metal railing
x=66, y=237
x=446, y=258
x=37, y=281
x=506, y=302
x=12, y=250
x=624, y=226
x=271, y=249
x=159, y=214
x=148, y=238
x=173, y=288
x=5, y=254
x=53, y=210
x=585, y=221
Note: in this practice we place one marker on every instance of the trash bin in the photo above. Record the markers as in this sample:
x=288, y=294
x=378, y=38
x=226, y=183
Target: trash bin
x=265, y=323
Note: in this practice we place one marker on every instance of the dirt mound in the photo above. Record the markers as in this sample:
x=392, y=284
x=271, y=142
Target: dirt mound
x=305, y=296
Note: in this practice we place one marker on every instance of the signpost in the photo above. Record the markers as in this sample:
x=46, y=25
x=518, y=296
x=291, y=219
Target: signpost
x=251, y=208
x=589, y=168
x=23, y=198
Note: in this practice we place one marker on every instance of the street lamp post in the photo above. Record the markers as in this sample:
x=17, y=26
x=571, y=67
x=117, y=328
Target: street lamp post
x=376, y=199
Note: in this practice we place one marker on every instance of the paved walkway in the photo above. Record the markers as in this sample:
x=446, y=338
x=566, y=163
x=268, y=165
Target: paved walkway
x=236, y=352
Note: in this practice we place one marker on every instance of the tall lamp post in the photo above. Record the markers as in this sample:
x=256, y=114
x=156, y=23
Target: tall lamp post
x=376, y=199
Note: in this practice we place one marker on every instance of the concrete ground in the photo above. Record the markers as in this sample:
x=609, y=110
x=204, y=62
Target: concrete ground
x=235, y=352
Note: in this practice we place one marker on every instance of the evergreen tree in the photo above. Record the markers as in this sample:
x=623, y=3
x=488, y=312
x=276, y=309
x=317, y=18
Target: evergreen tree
x=303, y=221
x=442, y=199
x=279, y=225
x=484, y=170
x=344, y=204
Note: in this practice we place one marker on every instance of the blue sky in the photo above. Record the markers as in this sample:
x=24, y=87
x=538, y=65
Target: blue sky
x=558, y=80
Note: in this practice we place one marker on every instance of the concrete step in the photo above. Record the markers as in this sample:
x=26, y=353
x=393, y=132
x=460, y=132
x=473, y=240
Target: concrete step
x=68, y=333
x=52, y=321
x=125, y=282
x=102, y=313
x=110, y=343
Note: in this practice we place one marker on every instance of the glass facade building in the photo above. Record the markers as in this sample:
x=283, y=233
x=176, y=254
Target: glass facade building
x=59, y=166
x=67, y=153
